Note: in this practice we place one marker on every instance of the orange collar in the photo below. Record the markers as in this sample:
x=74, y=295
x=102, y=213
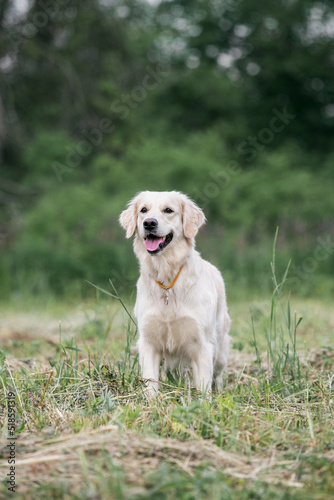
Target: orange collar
x=170, y=286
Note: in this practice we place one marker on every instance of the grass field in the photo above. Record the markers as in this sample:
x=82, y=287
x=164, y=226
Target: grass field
x=85, y=429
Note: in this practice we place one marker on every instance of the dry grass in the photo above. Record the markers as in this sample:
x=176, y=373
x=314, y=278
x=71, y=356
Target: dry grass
x=85, y=429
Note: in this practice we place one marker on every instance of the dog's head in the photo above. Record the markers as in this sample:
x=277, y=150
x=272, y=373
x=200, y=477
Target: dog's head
x=160, y=219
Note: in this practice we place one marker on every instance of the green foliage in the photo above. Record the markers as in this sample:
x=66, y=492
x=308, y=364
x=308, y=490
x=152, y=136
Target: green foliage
x=181, y=95
x=71, y=233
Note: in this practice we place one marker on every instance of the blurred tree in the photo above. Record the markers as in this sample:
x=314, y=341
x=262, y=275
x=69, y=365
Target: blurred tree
x=63, y=64
x=278, y=54
x=96, y=93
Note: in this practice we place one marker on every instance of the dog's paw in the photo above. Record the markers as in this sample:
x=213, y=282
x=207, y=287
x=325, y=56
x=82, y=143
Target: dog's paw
x=151, y=392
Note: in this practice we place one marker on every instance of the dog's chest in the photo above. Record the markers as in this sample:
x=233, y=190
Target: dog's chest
x=178, y=334
x=170, y=319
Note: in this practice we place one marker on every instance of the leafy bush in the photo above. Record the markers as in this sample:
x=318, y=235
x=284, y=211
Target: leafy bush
x=72, y=233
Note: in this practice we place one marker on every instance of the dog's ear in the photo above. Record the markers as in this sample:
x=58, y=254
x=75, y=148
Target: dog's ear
x=128, y=218
x=193, y=218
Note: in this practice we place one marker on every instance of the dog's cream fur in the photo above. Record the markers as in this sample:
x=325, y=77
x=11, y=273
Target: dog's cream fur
x=191, y=331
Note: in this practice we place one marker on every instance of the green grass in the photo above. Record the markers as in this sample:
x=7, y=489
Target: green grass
x=86, y=430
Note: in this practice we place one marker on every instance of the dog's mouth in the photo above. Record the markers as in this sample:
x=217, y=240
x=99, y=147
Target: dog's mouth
x=155, y=244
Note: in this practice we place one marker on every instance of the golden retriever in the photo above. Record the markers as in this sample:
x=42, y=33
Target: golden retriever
x=181, y=303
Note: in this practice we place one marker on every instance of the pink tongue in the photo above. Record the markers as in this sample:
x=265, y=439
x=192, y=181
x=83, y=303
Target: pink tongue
x=152, y=244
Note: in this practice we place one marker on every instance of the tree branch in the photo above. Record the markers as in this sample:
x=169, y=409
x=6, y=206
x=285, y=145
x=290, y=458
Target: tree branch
x=3, y=7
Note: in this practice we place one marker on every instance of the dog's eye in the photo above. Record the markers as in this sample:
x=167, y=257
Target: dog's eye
x=143, y=210
x=168, y=211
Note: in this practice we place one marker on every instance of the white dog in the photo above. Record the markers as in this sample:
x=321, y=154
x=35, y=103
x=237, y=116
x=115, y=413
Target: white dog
x=181, y=303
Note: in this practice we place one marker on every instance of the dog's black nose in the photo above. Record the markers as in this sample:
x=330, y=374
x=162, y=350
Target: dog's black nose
x=150, y=224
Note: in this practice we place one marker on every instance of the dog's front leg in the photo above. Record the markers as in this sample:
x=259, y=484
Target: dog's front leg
x=149, y=360
x=202, y=369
